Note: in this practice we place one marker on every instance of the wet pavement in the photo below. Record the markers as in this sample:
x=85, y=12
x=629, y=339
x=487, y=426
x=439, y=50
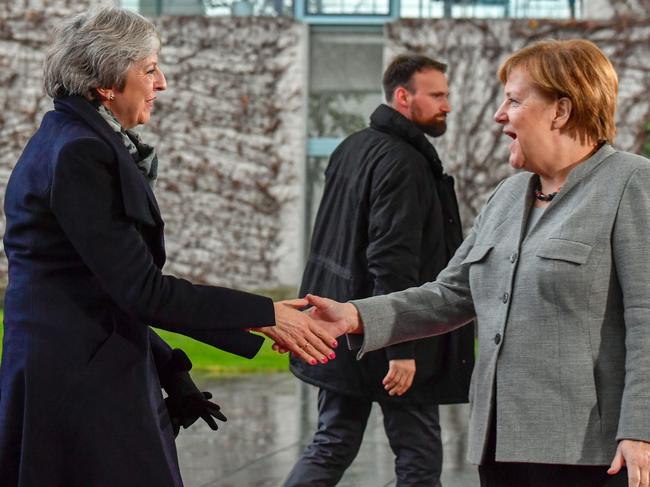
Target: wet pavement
x=270, y=420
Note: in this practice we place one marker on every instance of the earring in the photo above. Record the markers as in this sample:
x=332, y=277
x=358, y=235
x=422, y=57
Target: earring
x=111, y=96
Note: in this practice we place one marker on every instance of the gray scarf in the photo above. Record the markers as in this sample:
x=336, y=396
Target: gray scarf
x=144, y=155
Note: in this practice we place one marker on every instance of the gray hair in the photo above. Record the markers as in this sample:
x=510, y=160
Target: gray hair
x=95, y=50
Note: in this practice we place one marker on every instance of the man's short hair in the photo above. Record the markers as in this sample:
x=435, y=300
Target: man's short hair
x=401, y=69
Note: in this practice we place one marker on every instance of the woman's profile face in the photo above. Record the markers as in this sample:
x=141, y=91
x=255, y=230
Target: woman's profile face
x=527, y=117
x=133, y=104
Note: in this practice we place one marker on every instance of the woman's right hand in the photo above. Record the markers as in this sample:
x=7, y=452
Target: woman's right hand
x=297, y=332
x=336, y=318
x=635, y=455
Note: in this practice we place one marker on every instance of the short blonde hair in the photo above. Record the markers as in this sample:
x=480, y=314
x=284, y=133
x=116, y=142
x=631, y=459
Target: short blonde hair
x=578, y=70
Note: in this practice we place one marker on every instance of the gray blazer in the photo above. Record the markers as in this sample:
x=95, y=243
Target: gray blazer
x=563, y=314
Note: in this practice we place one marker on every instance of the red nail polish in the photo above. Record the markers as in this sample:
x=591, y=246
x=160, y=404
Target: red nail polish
x=332, y=355
x=324, y=360
x=313, y=361
x=335, y=344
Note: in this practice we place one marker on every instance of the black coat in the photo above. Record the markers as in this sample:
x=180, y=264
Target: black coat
x=80, y=396
x=388, y=220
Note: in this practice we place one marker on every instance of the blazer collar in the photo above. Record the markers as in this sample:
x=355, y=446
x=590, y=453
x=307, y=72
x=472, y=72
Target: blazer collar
x=583, y=169
x=577, y=174
x=139, y=200
x=389, y=120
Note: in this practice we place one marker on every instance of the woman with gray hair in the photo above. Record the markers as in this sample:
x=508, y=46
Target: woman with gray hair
x=81, y=374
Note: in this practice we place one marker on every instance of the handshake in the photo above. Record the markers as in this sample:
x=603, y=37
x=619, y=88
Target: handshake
x=311, y=334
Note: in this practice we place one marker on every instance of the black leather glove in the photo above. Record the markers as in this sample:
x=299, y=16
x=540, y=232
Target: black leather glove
x=185, y=402
x=185, y=410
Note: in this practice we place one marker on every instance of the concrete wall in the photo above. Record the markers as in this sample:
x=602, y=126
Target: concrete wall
x=231, y=137
x=229, y=132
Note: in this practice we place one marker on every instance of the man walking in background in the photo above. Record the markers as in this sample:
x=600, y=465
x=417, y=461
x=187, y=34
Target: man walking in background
x=388, y=221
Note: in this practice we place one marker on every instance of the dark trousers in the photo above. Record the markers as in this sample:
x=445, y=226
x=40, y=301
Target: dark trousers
x=413, y=433
x=510, y=474
x=505, y=474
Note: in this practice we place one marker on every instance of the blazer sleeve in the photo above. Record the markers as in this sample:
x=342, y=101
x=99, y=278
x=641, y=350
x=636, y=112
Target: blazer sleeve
x=86, y=201
x=631, y=253
x=432, y=309
x=399, y=203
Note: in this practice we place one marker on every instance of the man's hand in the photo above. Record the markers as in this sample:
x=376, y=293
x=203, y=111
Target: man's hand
x=298, y=333
x=636, y=456
x=399, y=378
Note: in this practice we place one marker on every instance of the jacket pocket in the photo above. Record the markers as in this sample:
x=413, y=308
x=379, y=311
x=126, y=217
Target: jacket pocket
x=478, y=253
x=565, y=250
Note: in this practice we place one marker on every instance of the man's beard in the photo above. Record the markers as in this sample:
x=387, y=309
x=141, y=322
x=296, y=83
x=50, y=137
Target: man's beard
x=435, y=128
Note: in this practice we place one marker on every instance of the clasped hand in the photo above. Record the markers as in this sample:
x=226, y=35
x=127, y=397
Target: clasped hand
x=309, y=335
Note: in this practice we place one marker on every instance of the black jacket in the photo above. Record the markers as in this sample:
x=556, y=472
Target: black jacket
x=388, y=221
x=80, y=397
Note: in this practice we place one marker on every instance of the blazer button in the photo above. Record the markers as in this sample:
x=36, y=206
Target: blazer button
x=497, y=338
x=505, y=297
x=513, y=257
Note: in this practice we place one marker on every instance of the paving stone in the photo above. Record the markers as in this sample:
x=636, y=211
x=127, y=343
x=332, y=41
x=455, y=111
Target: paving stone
x=271, y=418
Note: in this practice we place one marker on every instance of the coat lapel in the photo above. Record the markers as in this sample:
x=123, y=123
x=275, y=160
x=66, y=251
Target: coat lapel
x=526, y=202
x=138, y=198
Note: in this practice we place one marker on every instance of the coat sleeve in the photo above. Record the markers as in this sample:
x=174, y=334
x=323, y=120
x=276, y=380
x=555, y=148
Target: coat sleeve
x=631, y=252
x=86, y=201
x=162, y=352
x=399, y=203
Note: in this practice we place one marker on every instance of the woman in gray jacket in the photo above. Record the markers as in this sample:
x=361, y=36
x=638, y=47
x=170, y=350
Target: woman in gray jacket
x=556, y=271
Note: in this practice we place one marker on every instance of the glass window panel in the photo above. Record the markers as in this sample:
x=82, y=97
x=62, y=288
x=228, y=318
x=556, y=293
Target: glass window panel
x=490, y=8
x=347, y=7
